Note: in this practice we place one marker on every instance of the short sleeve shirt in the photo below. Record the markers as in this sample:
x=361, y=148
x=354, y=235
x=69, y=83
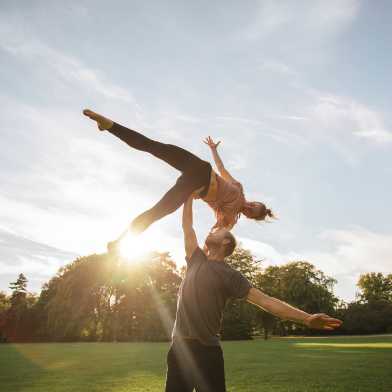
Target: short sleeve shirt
x=203, y=294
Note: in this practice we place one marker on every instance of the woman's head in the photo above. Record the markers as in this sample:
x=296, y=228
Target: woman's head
x=257, y=210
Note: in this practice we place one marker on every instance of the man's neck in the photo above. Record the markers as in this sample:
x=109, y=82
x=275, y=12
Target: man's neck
x=212, y=256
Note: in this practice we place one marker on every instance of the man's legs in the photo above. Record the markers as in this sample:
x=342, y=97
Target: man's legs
x=211, y=377
x=178, y=376
x=194, y=365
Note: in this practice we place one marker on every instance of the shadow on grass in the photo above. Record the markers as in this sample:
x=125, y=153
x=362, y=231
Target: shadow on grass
x=16, y=371
x=83, y=367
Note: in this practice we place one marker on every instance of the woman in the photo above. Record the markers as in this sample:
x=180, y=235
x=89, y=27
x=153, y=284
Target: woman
x=222, y=192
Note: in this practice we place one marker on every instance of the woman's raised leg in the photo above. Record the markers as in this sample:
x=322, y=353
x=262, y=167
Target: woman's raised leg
x=175, y=156
x=195, y=172
x=173, y=199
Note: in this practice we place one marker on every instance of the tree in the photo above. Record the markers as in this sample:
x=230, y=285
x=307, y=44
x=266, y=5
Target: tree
x=80, y=301
x=101, y=297
x=239, y=316
x=148, y=303
x=19, y=317
x=18, y=307
x=19, y=291
x=367, y=318
x=4, y=306
x=375, y=286
x=300, y=284
x=4, y=302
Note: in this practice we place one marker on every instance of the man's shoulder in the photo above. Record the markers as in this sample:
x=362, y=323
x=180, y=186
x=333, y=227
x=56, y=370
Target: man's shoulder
x=227, y=270
x=197, y=256
x=222, y=268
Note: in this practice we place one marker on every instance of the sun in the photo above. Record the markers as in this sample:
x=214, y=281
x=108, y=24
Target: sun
x=133, y=247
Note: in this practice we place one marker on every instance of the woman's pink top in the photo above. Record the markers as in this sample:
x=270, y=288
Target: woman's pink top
x=228, y=202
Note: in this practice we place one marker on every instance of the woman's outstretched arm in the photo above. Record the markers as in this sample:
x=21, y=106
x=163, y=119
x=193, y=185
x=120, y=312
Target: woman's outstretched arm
x=218, y=161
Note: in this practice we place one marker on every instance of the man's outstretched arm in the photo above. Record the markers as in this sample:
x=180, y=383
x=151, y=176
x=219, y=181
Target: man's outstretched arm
x=287, y=312
x=190, y=239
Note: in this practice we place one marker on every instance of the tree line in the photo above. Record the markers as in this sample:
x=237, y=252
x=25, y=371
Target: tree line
x=104, y=298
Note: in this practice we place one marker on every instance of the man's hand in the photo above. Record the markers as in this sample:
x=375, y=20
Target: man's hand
x=114, y=247
x=322, y=321
x=210, y=143
x=196, y=194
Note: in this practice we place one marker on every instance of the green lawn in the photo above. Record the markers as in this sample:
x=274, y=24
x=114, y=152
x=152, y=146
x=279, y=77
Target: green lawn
x=309, y=364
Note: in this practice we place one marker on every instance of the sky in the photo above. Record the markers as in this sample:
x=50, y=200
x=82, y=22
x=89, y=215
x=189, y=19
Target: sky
x=299, y=93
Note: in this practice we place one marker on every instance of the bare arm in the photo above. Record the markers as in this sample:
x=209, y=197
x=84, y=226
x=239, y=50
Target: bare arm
x=190, y=239
x=287, y=312
x=217, y=159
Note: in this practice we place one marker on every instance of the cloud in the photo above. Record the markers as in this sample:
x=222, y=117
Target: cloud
x=65, y=185
x=360, y=250
x=341, y=114
x=324, y=118
x=71, y=188
x=310, y=20
x=39, y=261
x=278, y=67
x=352, y=252
x=58, y=67
x=297, y=35
x=22, y=255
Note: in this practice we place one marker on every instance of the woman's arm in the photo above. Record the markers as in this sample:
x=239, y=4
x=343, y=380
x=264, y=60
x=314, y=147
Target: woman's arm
x=218, y=161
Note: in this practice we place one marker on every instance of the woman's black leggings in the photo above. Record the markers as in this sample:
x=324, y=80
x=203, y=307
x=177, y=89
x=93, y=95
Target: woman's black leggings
x=195, y=174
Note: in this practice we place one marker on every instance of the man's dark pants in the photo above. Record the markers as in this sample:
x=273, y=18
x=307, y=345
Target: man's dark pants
x=191, y=364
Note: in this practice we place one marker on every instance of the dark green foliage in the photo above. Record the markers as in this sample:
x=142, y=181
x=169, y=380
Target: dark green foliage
x=97, y=297
x=5, y=304
x=300, y=284
x=17, y=315
x=101, y=298
x=375, y=286
x=367, y=318
x=239, y=316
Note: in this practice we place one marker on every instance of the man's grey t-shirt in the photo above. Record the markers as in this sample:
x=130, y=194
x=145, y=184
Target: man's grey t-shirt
x=203, y=295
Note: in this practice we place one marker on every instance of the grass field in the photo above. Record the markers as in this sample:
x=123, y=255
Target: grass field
x=349, y=364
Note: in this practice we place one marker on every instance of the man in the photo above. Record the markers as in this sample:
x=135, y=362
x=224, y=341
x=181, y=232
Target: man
x=195, y=358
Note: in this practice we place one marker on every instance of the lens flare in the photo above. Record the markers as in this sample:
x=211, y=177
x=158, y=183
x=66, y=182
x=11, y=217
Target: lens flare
x=134, y=247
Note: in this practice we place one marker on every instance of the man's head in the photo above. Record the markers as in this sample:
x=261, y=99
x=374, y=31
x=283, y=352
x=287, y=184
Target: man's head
x=220, y=243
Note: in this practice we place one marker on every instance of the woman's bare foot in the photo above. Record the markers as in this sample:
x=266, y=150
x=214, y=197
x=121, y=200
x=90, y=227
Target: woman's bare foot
x=102, y=122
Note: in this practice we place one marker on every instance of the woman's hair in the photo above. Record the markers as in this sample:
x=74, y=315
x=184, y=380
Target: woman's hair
x=229, y=248
x=264, y=213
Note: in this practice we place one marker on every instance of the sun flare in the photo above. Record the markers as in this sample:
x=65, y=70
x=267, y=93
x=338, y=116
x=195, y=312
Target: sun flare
x=134, y=247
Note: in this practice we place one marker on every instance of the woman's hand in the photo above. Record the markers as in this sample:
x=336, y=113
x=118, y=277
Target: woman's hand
x=103, y=123
x=210, y=143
